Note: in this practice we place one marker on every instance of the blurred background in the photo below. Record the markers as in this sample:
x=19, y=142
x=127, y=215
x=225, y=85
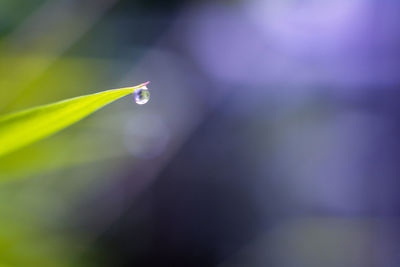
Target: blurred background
x=271, y=136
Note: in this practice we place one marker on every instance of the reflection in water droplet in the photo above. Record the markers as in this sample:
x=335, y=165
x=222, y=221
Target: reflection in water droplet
x=141, y=95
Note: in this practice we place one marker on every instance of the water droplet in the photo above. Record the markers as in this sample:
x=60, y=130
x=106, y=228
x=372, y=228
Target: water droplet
x=141, y=95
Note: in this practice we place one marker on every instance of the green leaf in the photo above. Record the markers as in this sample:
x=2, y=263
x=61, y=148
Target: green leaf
x=25, y=127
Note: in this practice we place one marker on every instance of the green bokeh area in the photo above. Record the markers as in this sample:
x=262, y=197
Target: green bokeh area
x=50, y=52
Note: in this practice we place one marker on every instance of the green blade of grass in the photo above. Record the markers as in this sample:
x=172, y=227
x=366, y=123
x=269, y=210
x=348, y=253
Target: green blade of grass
x=25, y=127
